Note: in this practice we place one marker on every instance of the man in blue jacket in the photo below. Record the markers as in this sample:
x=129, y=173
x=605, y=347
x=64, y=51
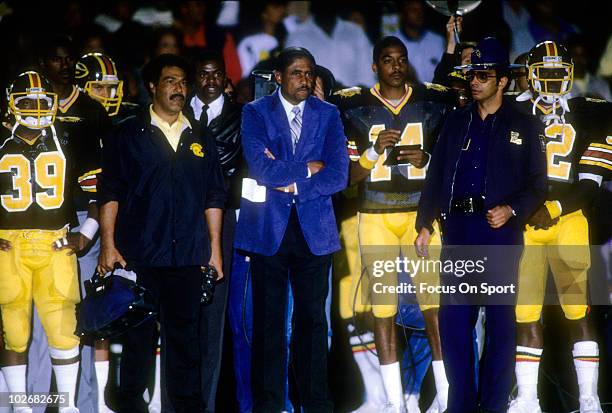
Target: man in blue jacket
x=486, y=177
x=295, y=149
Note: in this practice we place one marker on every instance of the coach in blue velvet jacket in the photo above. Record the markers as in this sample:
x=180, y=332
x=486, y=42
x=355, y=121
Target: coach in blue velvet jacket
x=296, y=153
x=264, y=126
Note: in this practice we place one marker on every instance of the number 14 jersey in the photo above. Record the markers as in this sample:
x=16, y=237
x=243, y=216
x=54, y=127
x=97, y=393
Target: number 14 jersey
x=418, y=116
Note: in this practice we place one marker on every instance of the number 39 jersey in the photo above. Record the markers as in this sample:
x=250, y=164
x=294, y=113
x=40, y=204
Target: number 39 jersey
x=567, y=143
x=418, y=116
x=37, y=181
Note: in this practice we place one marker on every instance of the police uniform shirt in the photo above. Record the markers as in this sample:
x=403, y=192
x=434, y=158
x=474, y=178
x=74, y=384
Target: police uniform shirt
x=472, y=166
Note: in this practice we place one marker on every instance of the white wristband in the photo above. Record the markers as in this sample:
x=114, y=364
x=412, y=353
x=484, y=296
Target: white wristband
x=89, y=228
x=371, y=154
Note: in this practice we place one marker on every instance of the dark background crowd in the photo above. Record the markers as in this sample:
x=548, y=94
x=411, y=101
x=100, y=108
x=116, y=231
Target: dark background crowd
x=132, y=32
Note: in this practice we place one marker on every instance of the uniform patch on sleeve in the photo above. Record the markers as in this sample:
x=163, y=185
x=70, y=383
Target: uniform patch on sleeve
x=515, y=138
x=353, y=153
x=436, y=86
x=348, y=92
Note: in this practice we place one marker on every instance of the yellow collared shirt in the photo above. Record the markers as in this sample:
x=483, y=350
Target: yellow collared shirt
x=171, y=132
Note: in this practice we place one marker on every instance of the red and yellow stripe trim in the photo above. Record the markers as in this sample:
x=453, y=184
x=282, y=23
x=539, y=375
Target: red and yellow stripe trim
x=545, y=109
x=34, y=79
x=589, y=359
x=69, y=101
x=395, y=109
x=551, y=48
x=360, y=348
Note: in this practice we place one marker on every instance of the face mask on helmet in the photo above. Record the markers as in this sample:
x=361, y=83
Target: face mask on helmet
x=109, y=92
x=96, y=75
x=34, y=107
x=551, y=77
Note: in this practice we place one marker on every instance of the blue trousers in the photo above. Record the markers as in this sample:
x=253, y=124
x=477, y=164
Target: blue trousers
x=458, y=314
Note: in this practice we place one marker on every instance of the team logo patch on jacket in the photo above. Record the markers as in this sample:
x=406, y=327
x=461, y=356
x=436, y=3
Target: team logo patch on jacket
x=196, y=148
x=515, y=138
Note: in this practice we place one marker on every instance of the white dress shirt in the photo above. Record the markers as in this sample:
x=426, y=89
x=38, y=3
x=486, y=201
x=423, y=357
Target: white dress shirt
x=253, y=49
x=289, y=107
x=347, y=53
x=214, y=108
x=424, y=54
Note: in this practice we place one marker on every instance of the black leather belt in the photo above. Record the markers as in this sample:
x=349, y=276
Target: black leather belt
x=472, y=205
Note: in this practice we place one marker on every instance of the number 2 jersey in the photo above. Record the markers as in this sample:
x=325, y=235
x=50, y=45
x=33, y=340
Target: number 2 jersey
x=418, y=116
x=574, y=148
x=38, y=179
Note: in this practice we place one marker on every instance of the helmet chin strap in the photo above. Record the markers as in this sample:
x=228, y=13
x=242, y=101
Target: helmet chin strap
x=558, y=103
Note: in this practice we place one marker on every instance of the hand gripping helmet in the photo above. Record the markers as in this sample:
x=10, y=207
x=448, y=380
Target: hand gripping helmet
x=550, y=71
x=31, y=101
x=96, y=75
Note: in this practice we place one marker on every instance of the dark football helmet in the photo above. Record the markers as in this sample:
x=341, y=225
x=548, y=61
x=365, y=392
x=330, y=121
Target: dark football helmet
x=96, y=75
x=31, y=101
x=550, y=70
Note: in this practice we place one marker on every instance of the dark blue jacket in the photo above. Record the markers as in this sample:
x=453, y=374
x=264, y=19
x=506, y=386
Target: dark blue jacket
x=516, y=165
x=261, y=225
x=162, y=194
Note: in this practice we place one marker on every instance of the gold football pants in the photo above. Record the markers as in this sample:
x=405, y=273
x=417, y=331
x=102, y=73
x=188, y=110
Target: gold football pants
x=565, y=247
x=32, y=270
x=395, y=232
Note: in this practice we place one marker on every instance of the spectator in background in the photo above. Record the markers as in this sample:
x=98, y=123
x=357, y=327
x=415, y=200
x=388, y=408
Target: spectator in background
x=196, y=21
x=298, y=12
x=605, y=63
x=93, y=40
x=517, y=17
x=424, y=46
x=337, y=44
x=165, y=41
x=77, y=16
x=520, y=80
x=586, y=83
x=267, y=34
x=545, y=23
x=156, y=15
x=453, y=54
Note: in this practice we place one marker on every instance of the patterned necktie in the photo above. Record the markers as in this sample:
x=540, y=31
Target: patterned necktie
x=296, y=126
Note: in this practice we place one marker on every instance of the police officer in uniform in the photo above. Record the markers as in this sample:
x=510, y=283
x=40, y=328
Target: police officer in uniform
x=487, y=175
